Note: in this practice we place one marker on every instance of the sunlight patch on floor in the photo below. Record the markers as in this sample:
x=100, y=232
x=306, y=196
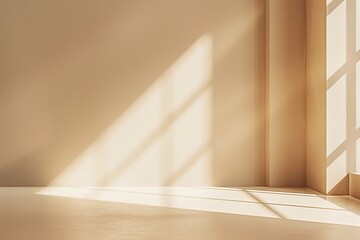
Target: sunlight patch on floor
x=302, y=206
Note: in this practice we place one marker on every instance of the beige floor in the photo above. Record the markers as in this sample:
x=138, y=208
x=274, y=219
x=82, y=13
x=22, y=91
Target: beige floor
x=175, y=213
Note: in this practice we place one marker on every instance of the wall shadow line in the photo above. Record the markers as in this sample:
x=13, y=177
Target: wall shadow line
x=343, y=147
x=333, y=5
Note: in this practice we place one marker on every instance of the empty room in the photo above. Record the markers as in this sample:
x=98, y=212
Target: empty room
x=179, y=119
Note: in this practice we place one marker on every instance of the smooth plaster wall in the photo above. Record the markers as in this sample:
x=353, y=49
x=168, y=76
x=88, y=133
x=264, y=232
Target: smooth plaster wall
x=157, y=92
x=316, y=95
x=343, y=93
x=333, y=74
x=354, y=185
x=285, y=93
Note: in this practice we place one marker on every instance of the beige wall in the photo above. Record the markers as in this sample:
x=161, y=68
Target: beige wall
x=316, y=95
x=332, y=74
x=354, y=185
x=286, y=93
x=343, y=91
x=141, y=93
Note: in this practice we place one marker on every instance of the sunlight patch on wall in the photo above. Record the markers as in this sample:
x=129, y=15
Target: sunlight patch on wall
x=336, y=39
x=336, y=171
x=162, y=137
x=336, y=115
